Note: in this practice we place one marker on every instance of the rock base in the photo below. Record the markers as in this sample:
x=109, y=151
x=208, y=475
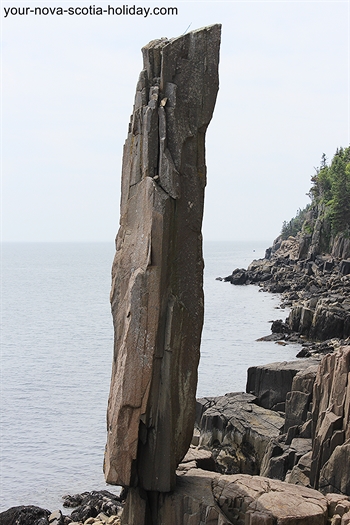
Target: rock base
x=208, y=498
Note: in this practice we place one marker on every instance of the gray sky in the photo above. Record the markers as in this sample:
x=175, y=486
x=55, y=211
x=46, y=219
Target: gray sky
x=67, y=95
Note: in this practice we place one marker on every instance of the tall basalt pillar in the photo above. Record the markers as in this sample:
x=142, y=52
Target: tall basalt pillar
x=157, y=274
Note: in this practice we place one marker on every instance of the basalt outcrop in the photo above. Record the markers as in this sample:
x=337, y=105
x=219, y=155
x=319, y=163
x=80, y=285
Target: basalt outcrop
x=293, y=425
x=157, y=274
x=314, y=448
x=237, y=430
x=209, y=498
x=315, y=286
x=330, y=464
x=271, y=383
x=259, y=434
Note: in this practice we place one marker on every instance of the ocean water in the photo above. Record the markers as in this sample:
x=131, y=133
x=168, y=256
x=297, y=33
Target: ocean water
x=56, y=355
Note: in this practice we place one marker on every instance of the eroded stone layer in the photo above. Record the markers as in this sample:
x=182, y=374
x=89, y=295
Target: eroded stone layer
x=157, y=274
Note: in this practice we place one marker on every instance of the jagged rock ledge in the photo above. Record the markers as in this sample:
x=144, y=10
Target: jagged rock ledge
x=291, y=425
x=315, y=287
x=290, y=430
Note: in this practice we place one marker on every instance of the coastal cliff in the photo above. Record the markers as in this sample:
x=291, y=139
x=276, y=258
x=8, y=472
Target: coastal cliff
x=309, y=262
x=323, y=226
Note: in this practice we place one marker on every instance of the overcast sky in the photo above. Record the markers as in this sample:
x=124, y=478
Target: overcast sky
x=67, y=94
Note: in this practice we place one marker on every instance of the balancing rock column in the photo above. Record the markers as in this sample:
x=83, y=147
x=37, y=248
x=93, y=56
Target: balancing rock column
x=157, y=274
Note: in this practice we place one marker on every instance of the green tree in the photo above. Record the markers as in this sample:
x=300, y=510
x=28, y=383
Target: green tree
x=340, y=204
x=330, y=189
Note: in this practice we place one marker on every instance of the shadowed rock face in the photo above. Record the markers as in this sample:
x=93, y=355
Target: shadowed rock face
x=330, y=466
x=271, y=383
x=157, y=274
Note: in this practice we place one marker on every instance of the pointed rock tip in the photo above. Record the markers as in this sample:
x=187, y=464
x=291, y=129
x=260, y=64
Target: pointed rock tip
x=161, y=42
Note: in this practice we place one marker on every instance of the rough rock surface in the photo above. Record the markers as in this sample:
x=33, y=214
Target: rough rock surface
x=208, y=498
x=330, y=467
x=237, y=430
x=91, y=504
x=247, y=500
x=30, y=515
x=25, y=515
x=191, y=503
x=157, y=274
x=315, y=286
x=270, y=383
x=287, y=457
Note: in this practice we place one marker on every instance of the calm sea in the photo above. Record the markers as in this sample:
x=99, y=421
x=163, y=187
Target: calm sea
x=57, y=343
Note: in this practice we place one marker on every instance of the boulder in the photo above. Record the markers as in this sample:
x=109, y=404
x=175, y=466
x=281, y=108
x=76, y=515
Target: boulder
x=306, y=318
x=56, y=518
x=84, y=512
x=90, y=504
x=300, y=473
x=279, y=327
x=198, y=458
x=281, y=457
x=337, y=504
x=238, y=276
x=275, y=463
x=25, y=515
x=304, y=380
x=157, y=274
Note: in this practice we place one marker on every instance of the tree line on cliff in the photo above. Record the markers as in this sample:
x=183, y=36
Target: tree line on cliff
x=329, y=210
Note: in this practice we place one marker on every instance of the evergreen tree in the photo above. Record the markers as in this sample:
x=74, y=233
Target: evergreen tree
x=340, y=212
x=331, y=189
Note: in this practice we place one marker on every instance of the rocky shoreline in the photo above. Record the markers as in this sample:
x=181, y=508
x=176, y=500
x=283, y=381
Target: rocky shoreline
x=90, y=508
x=286, y=439
x=316, y=288
x=275, y=454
